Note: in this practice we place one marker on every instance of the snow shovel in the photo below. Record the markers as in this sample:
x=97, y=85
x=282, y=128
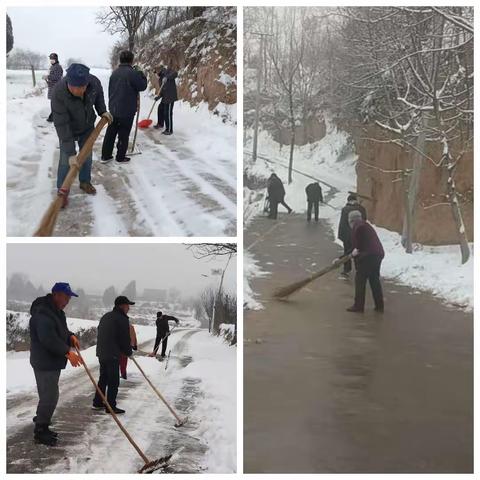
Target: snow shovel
x=166, y=336
x=180, y=422
x=49, y=219
x=150, y=465
x=132, y=150
x=294, y=287
x=145, y=123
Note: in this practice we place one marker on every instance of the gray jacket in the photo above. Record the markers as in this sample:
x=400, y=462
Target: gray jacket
x=55, y=74
x=74, y=116
x=49, y=335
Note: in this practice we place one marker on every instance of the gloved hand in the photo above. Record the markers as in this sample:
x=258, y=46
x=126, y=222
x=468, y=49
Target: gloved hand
x=355, y=252
x=74, y=359
x=74, y=342
x=108, y=116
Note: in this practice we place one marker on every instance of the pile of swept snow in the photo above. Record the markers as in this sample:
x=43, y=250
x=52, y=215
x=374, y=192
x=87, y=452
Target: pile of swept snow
x=434, y=269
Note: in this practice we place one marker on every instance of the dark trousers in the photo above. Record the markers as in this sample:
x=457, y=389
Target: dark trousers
x=108, y=381
x=274, y=207
x=347, y=249
x=312, y=205
x=168, y=114
x=120, y=127
x=161, y=114
x=85, y=174
x=368, y=268
x=47, y=387
x=164, y=346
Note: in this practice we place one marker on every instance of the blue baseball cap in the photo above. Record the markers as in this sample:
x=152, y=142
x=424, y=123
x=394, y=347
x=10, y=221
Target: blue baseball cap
x=64, y=288
x=77, y=75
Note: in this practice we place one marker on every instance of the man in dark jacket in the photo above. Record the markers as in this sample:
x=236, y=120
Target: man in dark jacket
x=344, y=230
x=123, y=96
x=314, y=197
x=168, y=95
x=368, y=254
x=55, y=74
x=50, y=342
x=113, y=339
x=163, y=331
x=276, y=195
x=73, y=101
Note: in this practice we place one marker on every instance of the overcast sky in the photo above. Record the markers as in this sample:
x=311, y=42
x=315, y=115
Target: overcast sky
x=95, y=267
x=69, y=31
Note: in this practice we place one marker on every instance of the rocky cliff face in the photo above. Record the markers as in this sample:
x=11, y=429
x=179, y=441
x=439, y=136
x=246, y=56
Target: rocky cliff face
x=203, y=51
x=434, y=223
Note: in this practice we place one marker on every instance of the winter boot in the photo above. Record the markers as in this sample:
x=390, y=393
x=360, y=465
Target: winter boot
x=42, y=434
x=123, y=160
x=87, y=187
x=355, y=309
x=106, y=159
x=116, y=410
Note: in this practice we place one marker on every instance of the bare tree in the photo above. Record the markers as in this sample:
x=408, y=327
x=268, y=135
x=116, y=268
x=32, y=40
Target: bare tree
x=9, y=35
x=203, y=250
x=125, y=20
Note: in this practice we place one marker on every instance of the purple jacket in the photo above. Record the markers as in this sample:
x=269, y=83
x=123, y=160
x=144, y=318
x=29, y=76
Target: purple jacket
x=365, y=240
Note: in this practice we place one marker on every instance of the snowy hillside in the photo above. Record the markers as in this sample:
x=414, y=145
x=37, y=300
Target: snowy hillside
x=332, y=162
x=181, y=185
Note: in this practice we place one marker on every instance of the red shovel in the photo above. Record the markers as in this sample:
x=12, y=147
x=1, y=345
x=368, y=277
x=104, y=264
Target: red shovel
x=145, y=123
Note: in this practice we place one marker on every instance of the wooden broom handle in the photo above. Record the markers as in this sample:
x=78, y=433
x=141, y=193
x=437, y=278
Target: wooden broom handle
x=179, y=420
x=110, y=409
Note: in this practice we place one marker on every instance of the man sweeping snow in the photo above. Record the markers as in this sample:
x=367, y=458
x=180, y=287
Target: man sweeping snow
x=123, y=88
x=50, y=342
x=368, y=254
x=168, y=95
x=163, y=331
x=74, y=99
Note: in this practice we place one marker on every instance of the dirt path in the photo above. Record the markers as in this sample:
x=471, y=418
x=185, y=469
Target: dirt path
x=87, y=436
x=330, y=391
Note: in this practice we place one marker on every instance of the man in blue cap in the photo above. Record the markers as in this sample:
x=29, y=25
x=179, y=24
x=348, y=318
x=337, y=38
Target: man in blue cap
x=50, y=343
x=73, y=101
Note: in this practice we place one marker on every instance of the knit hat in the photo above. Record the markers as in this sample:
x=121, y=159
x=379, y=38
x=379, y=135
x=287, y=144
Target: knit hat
x=77, y=75
x=354, y=216
x=53, y=56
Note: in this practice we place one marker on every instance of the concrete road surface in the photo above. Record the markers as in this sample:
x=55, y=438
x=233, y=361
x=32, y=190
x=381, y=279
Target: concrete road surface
x=332, y=391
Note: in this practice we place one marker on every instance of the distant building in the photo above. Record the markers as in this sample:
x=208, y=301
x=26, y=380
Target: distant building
x=154, y=294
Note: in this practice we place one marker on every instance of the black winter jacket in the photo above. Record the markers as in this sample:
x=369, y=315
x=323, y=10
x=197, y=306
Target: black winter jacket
x=74, y=116
x=276, y=190
x=344, y=230
x=169, y=89
x=113, y=335
x=55, y=74
x=123, y=87
x=314, y=192
x=163, y=328
x=49, y=335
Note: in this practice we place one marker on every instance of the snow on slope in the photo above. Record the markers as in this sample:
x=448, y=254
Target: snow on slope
x=434, y=269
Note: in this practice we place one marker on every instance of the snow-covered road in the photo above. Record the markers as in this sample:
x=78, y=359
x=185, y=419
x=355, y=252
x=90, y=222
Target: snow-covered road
x=200, y=382
x=182, y=185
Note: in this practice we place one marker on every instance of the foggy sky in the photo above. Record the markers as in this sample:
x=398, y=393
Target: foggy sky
x=94, y=267
x=68, y=31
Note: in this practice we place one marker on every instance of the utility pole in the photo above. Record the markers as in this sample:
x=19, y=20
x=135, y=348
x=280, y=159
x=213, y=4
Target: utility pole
x=258, y=96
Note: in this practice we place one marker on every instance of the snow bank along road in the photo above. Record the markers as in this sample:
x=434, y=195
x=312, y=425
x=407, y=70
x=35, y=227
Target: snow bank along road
x=90, y=441
x=331, y=391
x=182, y=185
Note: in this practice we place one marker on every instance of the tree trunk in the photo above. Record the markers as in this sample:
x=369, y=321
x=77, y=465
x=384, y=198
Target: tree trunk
x=131, y=41
x=407, y=219
x=34, y=81
x=456, y=212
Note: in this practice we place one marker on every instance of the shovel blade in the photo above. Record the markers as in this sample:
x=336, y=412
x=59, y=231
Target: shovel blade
x=181, y=423
x=145, y=123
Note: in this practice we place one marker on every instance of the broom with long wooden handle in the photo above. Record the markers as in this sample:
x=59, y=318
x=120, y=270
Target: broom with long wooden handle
x=294, y=287
x=47, y=224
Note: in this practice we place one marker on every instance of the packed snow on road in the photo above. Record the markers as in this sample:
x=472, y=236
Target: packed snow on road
x=181, y=185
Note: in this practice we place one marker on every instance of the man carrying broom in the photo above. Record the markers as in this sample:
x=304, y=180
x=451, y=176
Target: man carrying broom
x=123, y=88
x=73, y=101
